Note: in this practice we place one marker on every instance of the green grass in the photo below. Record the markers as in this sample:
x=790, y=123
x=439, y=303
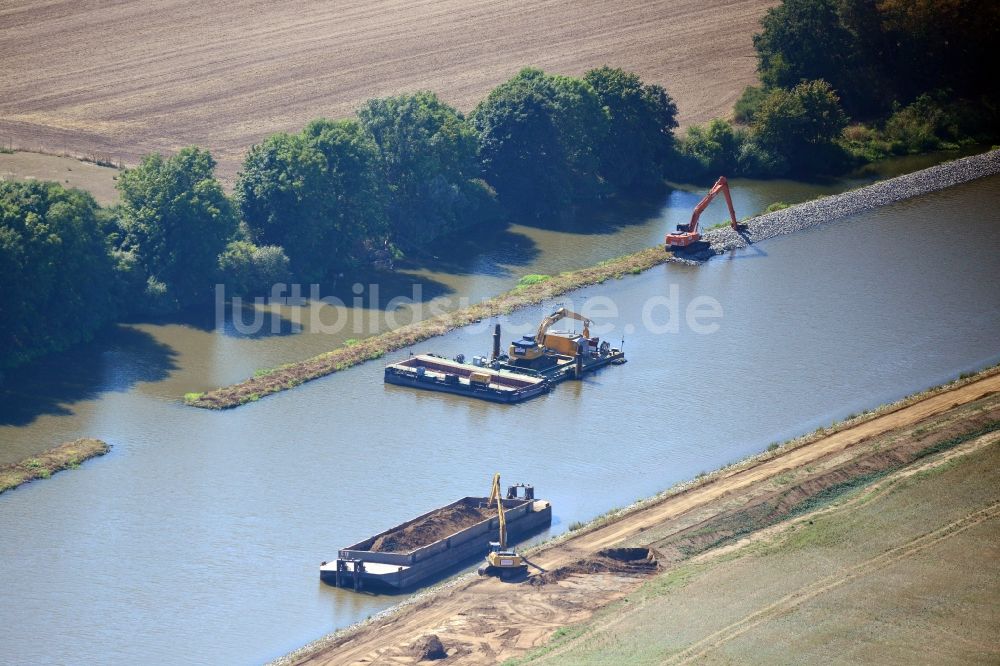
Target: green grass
x=666, y=582
x=533, y=279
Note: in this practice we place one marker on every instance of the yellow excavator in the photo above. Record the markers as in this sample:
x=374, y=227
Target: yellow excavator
x=530, y=348
x=501, y=561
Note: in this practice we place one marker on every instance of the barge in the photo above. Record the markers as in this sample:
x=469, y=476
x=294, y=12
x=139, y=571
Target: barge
x=401, y=559
x=532, y=367
x=426, y=371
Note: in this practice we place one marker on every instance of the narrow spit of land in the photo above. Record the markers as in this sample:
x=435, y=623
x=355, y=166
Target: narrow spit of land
x=48, y=463
x=825, y=209
x=293, y=374
x=597, y=581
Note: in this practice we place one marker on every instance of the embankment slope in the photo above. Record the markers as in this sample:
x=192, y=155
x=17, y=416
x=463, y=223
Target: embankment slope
x=481, y=621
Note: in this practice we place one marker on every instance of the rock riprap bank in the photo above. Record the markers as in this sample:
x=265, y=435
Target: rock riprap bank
x=838, y=206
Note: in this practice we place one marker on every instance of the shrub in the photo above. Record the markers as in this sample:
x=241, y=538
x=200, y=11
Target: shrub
x=917, y=127
x=715, y=146
x=248, y=269
x=865, y=143
x=756, y=160
x=746, y=106
x=801, y=124
x=529, y=280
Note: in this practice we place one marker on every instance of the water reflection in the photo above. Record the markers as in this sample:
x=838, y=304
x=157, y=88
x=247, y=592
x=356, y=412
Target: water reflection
x=118, y=359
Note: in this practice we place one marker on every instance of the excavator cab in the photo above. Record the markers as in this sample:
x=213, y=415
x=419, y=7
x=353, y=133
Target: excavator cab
x=503, y=561
x=526, y=349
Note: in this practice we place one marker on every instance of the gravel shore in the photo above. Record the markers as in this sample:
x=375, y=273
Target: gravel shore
x=839, y=206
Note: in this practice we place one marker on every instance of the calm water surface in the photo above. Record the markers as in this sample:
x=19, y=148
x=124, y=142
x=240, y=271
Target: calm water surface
x=197, y=539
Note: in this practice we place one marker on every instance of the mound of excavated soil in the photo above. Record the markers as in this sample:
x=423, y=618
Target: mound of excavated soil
x=609, y=560
x=433, y=527
x=429, y=649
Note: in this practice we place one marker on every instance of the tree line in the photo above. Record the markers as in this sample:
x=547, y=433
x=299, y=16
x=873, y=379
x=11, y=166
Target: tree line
x=337, y=196
x=843, y=82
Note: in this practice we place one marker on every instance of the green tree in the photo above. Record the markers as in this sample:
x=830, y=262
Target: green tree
x=427, y=155
x=801, y=124
x=250, y=270
x=940, y=44
x=641, y=122
x=317, y=194
x=175, y=221
x=583, y=124
x=715, y=146
x=879, y=52
x=57, y=271
x=354, y=189
x=538, y=138
x=805, y=39
x=281, y=195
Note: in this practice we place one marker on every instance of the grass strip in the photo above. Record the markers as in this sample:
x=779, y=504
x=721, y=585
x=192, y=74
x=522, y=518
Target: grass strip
x=44, y=465
x=528, y=293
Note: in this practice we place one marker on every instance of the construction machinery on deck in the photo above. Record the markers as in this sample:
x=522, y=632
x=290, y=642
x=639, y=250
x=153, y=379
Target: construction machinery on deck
x=534, y=365
x=531, y=348
x=687, y=234
x=502, y=561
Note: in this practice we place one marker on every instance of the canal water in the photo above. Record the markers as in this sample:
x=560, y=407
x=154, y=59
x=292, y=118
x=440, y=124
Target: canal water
x=198, y=538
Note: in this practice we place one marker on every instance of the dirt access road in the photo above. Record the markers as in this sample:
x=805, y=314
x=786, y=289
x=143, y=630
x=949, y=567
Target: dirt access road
x=486, y=621
x=127, y=78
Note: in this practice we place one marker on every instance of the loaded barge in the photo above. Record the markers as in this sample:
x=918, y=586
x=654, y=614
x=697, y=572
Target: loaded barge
x=425, y=547
x=532, y=366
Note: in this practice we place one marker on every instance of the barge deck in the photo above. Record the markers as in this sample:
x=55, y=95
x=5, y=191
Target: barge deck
x=426, y=371
x=397, y=559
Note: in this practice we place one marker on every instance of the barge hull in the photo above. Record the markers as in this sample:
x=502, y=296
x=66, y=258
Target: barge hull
x=507, y=398
x=434, y=373
x=359, y=568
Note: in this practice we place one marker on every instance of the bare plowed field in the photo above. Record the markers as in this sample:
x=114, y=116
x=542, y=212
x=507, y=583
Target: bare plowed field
x=125, y=78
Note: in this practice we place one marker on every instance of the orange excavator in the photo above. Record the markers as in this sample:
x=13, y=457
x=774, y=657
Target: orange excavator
x=687, y=234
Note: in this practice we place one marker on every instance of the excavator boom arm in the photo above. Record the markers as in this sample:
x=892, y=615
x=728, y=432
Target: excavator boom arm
x=561, y=313
x=495, y=494
x=721, y=185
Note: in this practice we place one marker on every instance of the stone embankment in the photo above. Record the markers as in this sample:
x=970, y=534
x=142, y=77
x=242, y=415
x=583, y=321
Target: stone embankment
x=839, y=206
